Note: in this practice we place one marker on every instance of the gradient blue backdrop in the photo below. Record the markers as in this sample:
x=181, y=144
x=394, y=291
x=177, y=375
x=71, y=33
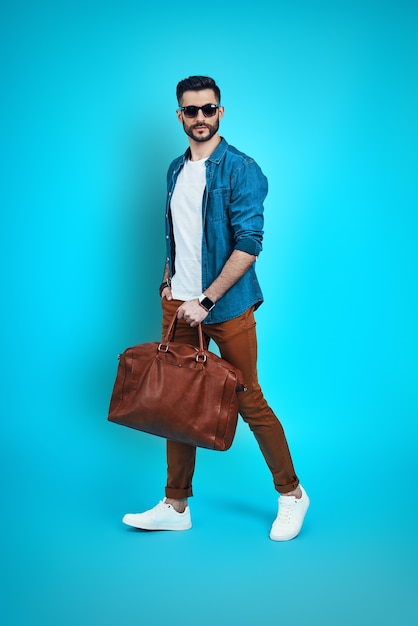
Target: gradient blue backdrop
x=324, y=96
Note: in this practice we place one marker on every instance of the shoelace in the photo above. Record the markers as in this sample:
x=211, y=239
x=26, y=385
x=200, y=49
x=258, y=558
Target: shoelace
x=287, y=505
x=162, y=505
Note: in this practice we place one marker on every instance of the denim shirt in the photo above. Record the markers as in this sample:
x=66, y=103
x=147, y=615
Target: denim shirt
x=232, y=215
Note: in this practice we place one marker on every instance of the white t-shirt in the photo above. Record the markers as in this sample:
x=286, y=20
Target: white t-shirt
x=186, y=211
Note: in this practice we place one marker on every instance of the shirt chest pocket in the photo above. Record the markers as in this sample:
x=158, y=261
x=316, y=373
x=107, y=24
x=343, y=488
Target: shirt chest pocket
x=218, y=203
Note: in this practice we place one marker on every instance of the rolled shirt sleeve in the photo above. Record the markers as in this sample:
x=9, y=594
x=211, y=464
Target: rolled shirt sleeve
x=249, y=189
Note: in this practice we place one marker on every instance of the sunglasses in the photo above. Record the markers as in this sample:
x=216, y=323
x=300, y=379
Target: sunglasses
x=208, y=110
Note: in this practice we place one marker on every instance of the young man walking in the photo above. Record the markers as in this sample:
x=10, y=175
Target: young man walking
x=214, y=231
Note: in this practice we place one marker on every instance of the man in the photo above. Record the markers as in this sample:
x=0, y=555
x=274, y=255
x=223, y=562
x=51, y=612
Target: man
x=214, y=222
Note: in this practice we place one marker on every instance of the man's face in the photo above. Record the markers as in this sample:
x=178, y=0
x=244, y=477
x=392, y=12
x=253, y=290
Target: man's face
x=200, y=128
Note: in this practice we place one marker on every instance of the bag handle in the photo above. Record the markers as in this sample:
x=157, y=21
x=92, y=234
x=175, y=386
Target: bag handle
x=200, y=356
x=163, y=346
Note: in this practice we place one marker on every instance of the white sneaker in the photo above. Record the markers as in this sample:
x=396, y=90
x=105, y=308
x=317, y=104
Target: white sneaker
x=161, y=517
x=290, y=516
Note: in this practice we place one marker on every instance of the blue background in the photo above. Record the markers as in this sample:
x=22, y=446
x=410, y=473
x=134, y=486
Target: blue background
x=324, y=96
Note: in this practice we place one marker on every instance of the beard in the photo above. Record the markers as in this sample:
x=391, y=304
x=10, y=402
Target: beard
x=190, y=131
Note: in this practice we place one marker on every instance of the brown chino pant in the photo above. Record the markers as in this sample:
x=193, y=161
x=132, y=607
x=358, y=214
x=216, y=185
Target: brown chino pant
x=237, y=342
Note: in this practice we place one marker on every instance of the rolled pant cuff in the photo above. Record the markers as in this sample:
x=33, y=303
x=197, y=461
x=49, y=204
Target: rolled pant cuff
x=178, y=494
x=287, y=488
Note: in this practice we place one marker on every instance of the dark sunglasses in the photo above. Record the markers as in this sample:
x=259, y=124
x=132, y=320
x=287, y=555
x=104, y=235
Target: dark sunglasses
x=208, y=110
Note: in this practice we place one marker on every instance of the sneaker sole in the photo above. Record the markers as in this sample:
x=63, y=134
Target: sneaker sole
x=150, y=526
x=288, y=538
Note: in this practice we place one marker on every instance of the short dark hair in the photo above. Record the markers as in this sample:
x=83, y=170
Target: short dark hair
x=197, y=83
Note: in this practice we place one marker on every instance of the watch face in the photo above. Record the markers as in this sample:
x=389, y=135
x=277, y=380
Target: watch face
x=207, y=304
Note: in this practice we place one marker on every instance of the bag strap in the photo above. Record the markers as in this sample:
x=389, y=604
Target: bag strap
x=201, y=355
x=172, y=330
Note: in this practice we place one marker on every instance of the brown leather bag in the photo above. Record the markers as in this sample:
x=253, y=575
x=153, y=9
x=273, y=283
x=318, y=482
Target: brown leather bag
x=177, y=391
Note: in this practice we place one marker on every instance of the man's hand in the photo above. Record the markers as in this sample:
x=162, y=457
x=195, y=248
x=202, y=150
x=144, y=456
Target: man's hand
x=191, y=312
x=166, y=293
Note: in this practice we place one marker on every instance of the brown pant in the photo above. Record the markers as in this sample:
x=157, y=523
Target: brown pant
x=237, y=342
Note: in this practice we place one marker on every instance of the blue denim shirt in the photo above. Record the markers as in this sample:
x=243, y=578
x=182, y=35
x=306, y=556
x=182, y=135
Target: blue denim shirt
x=232, y=214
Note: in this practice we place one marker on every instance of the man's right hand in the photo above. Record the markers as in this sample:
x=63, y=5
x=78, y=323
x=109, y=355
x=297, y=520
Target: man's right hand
x=166, y=293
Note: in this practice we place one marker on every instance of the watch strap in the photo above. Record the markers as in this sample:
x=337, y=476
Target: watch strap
x=164, y=284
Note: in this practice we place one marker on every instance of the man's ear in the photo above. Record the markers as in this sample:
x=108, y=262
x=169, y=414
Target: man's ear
x=221, y=112
x=179, y=116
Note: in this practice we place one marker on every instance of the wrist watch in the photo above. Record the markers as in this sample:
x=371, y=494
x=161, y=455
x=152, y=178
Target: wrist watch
x=206, y=302
x=164, y=284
